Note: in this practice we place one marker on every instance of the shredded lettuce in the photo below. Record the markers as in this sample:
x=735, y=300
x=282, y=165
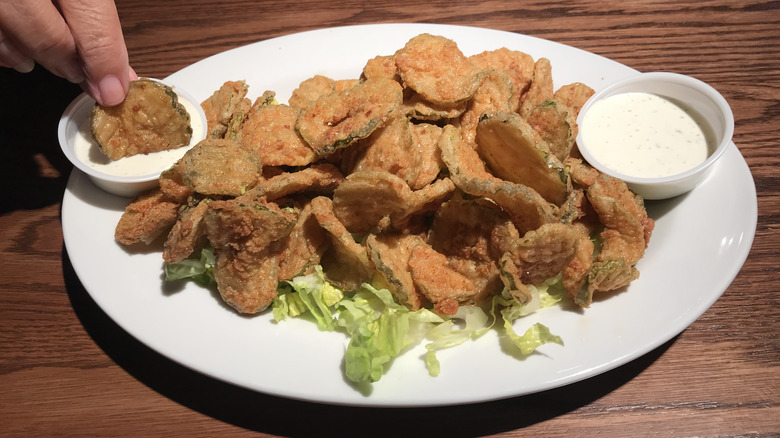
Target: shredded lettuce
x=310, y=293
x=200, y=270
x=447, y=334
x=477, y=323
x=546, y=294
x=380, y=329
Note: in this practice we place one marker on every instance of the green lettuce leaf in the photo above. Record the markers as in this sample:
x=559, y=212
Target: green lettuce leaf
x=199, y=270
x=310, y=294
x=447, y=335
x=547, y=294
x=379, y=329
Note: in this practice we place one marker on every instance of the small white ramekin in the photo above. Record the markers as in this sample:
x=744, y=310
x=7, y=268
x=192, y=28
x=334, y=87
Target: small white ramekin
x=701, y=97
x=75, y=122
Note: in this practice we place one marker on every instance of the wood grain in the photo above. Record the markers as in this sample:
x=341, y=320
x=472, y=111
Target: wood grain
x=67, y=369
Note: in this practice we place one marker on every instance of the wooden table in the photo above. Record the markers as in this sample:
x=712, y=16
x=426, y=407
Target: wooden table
x=66, y=368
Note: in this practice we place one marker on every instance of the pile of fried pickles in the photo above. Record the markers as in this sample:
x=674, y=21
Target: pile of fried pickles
x=445, y=178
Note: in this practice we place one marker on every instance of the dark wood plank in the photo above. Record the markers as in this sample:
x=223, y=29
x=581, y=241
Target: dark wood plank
x=66, y=368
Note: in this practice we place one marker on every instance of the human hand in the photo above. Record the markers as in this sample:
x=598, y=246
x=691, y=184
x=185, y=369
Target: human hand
x=79, y=40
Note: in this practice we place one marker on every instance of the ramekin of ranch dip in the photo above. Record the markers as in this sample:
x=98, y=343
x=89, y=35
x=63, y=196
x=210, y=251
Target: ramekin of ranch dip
x=659, y=132
x=130, y=175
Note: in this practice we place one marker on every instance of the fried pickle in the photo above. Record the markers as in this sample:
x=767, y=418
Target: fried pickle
x=574, y=96
x=390, y=254
x=150, y=119
x=368, y=197
x=440, y=284
x=556, y=124
x=310, y=90
x=494, y=94
x=575, y=273
x=517, y=65
x=220, y=167
x=172, y=184
x=417, y=108
x=541, y=87
x=146, y=218
x=390, y=149
x=221, y=105
x=434, y=67
x=317, y=178
x=269, y=130
x=303, y=247
x=381, y=67
x=346, y=263
x=426, y=146
x=527, y=209
x=543, y=253
x=337, y=120
x=247, y=261
x=515, y=152
x=187, y=234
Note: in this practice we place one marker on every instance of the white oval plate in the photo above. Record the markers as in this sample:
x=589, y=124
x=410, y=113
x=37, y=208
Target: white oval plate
x=697, y=249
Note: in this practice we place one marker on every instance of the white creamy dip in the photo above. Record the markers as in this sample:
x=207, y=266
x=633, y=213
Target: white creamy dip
x=88, y=151
x=645, y=135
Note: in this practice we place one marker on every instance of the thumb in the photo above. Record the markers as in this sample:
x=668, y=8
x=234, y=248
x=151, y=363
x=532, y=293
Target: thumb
x=97, y=33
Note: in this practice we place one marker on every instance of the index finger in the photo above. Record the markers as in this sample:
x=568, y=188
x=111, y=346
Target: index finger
x=34, y=29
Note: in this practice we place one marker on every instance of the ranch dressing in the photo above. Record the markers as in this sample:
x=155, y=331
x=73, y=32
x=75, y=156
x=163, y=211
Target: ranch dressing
x=645, y=135
x=88, y=151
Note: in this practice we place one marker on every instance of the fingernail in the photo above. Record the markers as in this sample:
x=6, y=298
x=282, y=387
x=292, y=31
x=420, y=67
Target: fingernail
x=25, y=66
x=111, y=91
x=16, y=59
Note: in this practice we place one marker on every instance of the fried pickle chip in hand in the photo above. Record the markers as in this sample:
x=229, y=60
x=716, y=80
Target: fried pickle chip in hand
x=151, y=119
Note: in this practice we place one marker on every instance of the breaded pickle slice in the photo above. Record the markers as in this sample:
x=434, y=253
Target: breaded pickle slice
x=221, y=107
x=382, y=66
x=495, y=94
x=337, y=120
x=526, y=207
x=541, y=87
x=244, y=237
x=220, y=167
x=574, y=96
x=368, y=196
x=434, y=66
x=556, y=123
x=390, y=254
x=515, y=152
x=346, y=263
x=310, y=90
x=151, y=119
x=519, y=66
x=269, y=130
